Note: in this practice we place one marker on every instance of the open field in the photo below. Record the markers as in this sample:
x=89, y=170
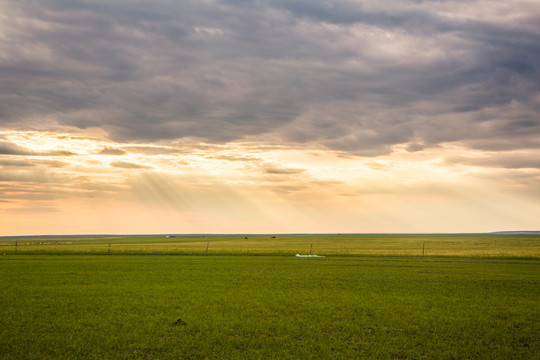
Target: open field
x=382, y=307
x=482, y=245
x=371, y=296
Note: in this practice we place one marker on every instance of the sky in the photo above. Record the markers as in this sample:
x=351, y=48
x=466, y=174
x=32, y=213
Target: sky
x=297, y=116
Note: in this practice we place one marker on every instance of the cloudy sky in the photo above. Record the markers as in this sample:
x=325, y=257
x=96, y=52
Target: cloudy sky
x=208, y=116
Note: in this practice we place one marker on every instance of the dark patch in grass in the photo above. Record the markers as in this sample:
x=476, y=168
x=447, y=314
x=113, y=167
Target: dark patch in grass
x=180, y=322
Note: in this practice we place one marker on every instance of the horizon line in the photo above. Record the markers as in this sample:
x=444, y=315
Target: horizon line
x=516, y=232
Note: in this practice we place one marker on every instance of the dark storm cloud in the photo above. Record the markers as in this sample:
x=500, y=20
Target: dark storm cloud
x=349, y=75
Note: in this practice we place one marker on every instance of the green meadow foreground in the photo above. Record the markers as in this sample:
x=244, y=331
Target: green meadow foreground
x=62, y=305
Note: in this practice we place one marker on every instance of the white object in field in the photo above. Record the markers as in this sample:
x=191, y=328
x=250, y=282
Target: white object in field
x=298, y=255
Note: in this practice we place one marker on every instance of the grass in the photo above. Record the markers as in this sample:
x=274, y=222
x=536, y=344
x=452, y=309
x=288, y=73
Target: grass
x=238, y=307
x=479, y=245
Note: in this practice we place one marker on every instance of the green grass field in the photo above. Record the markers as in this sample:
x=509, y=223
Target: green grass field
x=484, y=245
x=59, y=302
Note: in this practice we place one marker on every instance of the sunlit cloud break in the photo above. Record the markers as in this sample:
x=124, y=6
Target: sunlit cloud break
x=267, y=116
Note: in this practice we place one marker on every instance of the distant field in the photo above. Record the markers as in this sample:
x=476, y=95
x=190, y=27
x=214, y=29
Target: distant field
x=250, y=307
x=483, y=245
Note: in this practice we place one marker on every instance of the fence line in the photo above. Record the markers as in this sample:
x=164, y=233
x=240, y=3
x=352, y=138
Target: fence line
x=362, y=245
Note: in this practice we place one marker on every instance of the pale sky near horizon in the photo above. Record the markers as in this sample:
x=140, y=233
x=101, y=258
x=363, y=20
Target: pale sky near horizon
x=270, y=116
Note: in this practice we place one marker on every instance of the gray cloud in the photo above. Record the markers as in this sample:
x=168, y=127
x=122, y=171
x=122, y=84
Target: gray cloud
x=112, y=151
x=14, y=163
x=283, y=171
x=351, y=76
x=129, y=165
x=26, y=175
x=9, y=148
x=151, y=150
x=508, y=161
x=32, y=163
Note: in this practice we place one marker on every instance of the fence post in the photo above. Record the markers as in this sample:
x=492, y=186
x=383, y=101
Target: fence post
x=207, y=244
x=423, y=248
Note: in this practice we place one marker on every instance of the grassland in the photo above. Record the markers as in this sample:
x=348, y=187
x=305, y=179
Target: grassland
x=60, y=303
x=487, y=245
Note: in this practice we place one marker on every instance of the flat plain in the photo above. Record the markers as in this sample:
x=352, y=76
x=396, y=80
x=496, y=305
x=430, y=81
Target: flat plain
x=481, y=245
x=263, y=302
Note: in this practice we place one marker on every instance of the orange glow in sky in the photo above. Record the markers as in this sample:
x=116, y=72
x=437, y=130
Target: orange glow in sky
x=62, y=184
